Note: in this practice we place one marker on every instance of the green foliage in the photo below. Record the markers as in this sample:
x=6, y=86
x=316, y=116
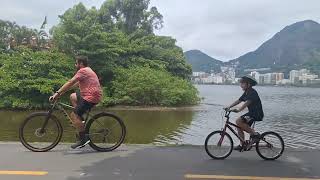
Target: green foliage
x=130, y=15
x=111, y=37
x=10, y=31
x=27, y=78
x=147, y=86
x=118, y=38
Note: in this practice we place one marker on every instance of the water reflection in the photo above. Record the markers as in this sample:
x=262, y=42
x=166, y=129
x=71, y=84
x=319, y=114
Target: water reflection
x=143, y=127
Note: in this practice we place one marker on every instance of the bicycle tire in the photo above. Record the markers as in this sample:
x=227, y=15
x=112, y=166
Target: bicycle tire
x=31, y=117
x=208, y=149
x=116, y=119
x=263, y=135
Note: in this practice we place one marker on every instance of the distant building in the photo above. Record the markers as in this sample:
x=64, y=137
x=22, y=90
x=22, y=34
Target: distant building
x=279, y=76
x=256, y=76
x=229, y=73
x=302, y=76
x=267, y=78
x=261, y=80
x=307, y=78
x=218, y=80
x=205, y=78
x=294, y=76
x=198, y=74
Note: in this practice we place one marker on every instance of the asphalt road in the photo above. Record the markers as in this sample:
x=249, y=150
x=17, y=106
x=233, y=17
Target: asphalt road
x=144, y=162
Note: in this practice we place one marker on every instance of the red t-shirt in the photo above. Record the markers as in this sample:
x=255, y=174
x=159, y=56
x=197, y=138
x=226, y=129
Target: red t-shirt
x=90, y=88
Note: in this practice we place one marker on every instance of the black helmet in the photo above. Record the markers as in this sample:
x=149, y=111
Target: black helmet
x=249, y=80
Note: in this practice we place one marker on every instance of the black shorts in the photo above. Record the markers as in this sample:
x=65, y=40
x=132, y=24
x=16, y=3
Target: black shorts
x=82, y=105
x=249, y=119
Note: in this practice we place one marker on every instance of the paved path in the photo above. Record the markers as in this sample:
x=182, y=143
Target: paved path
x=143, y=162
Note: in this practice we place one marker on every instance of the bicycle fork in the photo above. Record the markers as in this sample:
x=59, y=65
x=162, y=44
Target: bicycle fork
x=222, y=135
x=42, y=130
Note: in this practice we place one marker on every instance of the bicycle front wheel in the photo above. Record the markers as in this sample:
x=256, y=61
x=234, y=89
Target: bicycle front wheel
x=36, y=139
x=270, y=146
x=219, y=145
x=106, y=132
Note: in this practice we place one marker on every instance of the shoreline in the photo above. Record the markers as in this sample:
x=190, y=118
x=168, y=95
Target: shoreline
x=265, y=85
x=125, y=108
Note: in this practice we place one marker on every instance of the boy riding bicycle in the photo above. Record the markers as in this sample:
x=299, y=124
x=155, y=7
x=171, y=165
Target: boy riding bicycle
x=251, y=101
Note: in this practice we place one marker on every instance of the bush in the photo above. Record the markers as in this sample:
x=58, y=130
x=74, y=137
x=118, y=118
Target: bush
x=147, y=86
x=28, y=78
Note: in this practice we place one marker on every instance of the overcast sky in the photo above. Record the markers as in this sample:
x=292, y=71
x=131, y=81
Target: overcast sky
x=223, y=29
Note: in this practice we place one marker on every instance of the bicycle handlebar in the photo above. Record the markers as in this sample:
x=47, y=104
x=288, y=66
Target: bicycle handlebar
x=54, y=103
x=228, y=111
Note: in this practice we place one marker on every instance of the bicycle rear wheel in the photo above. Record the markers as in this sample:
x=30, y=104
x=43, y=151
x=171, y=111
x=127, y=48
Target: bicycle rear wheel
x=219, y=145
x=270, y=146
x=33, y=138
x=106, y=131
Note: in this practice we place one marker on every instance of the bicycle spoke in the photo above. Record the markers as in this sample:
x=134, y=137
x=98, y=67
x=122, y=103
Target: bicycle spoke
x=106, y=133
x=35, y=138
x=270, y=146
x=97, y=121
x=218, y=145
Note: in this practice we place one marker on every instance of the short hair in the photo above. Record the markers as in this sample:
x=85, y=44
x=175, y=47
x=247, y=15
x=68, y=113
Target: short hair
x=83, y=60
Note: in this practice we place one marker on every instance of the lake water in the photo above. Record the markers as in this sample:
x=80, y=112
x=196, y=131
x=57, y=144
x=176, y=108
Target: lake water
x=292, y=112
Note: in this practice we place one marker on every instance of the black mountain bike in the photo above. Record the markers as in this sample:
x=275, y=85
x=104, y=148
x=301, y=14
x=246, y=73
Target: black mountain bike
x=42, y=131
x=219, y=144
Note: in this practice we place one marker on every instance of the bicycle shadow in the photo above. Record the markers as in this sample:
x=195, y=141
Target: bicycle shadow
x=85, y=150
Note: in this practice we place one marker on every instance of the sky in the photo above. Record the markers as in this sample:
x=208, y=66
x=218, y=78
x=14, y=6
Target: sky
x=224, y=30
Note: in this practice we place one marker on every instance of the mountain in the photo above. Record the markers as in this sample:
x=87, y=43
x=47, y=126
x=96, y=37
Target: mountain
x=202, y=62
x=295, y=46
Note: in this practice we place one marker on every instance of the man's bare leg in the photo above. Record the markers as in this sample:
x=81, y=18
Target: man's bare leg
x=77, y=122
x=73, y=99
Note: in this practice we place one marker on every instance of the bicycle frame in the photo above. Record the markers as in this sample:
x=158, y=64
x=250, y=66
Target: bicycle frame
x=61, y=107
x=229, y=125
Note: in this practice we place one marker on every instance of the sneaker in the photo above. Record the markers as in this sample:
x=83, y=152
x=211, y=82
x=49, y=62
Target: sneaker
x=238, y=148
x=255, y=137
x=81, y=143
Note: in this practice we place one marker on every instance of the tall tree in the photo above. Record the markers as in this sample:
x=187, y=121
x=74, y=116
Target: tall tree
x=10, y=31
x=131, y=15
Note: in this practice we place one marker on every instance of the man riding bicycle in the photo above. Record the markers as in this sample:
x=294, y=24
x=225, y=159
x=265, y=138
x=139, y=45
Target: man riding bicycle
x=251, y=101
x=90, y=95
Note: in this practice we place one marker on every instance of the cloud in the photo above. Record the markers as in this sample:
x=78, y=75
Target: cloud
x=228, y=29
x=223, y=29
x=32, y=12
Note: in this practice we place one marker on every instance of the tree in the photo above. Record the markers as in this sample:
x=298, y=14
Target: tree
x=13, y=34
x=27, y=78
x=103, y=36
x=131, y=15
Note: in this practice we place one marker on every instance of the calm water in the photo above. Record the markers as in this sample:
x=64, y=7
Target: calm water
x=292, y=112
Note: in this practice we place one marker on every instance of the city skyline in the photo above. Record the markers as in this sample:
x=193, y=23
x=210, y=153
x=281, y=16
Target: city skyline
x=227, y=76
